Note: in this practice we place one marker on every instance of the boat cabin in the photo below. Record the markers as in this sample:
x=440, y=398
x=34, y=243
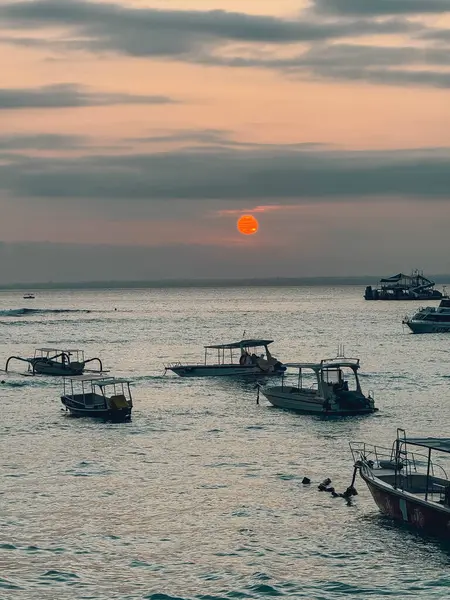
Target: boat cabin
x=245, y=352
x=329, y=377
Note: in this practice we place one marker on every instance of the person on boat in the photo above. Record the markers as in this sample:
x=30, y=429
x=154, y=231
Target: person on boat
x=245, y=359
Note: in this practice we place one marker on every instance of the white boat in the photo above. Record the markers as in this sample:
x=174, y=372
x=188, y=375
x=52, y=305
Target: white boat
x=28, y=296
x=242, y=359
x=56, y=361
x=99, y=397
x=431, y=319
x=330, y=387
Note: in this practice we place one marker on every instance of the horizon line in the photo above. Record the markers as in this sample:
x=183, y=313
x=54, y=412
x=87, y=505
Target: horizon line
x=209, y=282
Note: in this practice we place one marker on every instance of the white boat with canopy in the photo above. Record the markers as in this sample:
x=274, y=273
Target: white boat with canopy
x=329, y=387
x=234, y=359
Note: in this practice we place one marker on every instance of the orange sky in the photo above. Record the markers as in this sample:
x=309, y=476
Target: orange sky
x=251, y=105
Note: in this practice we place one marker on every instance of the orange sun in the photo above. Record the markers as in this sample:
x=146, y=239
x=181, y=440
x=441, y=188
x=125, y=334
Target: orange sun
x=247, y=224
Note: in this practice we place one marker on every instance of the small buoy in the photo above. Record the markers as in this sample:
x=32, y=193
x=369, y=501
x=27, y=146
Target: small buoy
x=3, y=381
x=306, y=480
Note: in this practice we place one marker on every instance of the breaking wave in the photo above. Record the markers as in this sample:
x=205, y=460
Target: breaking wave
x=20, y=312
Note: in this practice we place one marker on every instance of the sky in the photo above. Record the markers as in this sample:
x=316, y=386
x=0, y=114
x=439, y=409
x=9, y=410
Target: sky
x=134, y=134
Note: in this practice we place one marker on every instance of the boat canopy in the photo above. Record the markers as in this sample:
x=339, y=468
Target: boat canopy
x=99, y=379
x=57, y=350
x=440, y=444
x=241, y=344
x=326, y=364
x=393, y=279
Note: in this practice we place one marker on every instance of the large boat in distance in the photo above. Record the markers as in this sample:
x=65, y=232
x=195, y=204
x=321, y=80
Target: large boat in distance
x=404, y=287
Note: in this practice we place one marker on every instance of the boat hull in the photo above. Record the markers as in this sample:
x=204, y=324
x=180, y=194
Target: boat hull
x=77, y=409
x=428, y=326
x=42, y=368
x=310, y=403
x=221, y=370
x=431, y=519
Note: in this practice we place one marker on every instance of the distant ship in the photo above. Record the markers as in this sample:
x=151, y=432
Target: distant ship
x=404, y=287
x=29, y=296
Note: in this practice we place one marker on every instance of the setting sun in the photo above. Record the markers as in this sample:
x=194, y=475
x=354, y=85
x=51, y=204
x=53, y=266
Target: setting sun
x=247, y=224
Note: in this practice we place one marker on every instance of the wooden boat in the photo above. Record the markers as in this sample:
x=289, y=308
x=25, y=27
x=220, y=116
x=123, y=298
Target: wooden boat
x=406, y=482
x=98, y=397
x=242, y=360
x=330, y=387
x=54, y=361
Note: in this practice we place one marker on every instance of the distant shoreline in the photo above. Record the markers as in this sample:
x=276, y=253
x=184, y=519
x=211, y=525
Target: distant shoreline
x=207, y=283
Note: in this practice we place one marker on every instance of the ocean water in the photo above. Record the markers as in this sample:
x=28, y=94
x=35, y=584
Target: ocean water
x=200, y=497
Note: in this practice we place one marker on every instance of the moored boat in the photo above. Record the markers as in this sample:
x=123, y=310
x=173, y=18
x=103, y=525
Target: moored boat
x=241, y=360
x=431, y=319
x=329, y=387
x=406, y=485
x=55, y=361
x=404, y=287
x=98, y=397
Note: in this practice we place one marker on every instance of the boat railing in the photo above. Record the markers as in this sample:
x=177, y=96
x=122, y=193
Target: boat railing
x=403, y=463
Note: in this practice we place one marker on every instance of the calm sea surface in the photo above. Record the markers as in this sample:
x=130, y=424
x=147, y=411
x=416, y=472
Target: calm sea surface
x=200, y=495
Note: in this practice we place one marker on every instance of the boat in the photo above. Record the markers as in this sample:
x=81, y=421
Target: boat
x=431, y=319
x=406, y=482
x=329, y=387
x=404, y=287
x=98, y=397
x=28, y=296
x=54, y=361
x=241, y=360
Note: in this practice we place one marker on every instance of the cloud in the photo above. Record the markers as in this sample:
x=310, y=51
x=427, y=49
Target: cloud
x=216, y=138
x=273, y=175
x=210, y=38
x=42, y=141
x=65, y=95
x=380, y=7
x=177, y=33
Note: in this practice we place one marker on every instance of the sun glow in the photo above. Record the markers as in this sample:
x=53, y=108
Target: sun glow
x=247, y=224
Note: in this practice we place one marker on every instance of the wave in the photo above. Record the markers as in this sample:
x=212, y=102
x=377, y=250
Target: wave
x=20, y=312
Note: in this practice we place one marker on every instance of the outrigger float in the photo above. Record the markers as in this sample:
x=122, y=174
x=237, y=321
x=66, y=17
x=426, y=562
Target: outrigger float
x=406, y=485
x=54, y=361
x=100, y=397
x=248, y=363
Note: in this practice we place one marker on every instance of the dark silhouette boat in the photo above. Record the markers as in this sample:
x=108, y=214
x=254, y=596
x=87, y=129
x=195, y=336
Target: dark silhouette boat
x=404, y=287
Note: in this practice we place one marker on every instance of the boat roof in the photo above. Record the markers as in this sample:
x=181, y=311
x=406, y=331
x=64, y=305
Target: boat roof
x=326, y=364
x=57, y=350
x=241, y=344
x=441, y=444
x=98, y=379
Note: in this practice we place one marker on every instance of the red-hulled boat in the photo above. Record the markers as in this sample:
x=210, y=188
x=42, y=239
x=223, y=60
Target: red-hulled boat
x=406, y=483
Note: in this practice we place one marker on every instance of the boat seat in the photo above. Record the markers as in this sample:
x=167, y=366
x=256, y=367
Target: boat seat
x=118, y=401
